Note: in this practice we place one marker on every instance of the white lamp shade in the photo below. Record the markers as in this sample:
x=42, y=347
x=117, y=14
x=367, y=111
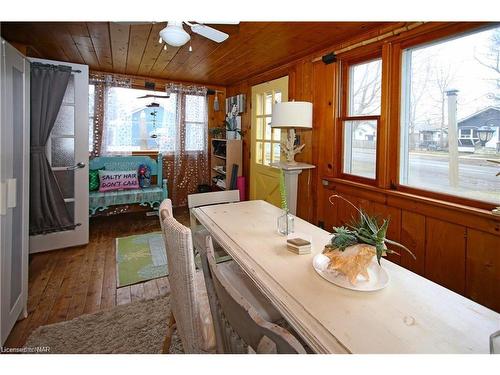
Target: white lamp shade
x=292, y=115
x=174, y=34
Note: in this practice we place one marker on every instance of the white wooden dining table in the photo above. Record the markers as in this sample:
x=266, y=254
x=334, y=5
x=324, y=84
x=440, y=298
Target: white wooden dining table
x=410, y=315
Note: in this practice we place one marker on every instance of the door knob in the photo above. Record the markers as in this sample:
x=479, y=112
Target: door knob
x=77, y=166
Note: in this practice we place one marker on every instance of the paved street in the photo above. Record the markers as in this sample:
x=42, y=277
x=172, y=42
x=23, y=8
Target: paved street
x=476, y=176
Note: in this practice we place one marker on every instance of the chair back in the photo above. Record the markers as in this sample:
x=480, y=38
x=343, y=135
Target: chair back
x=238, y=323
x=207, y=199
x=181, y=277
x=165, y=209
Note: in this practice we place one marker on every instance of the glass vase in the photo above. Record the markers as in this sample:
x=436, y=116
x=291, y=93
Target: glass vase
x=285, y=223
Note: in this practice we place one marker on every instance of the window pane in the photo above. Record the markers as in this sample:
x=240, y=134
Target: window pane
x=451, y=97
x=277, y=97
x=364, y=88
x=195, y=137
x=267, y=153
x=65, y=121
x=360, y=148
x=268, y=128
x=276, y=134
x=276, y=152
x=260, y=128
x=134, y=124
x=195, y=108
x=259, y=106
x=269, y=104
x=258, y=152
x=63, y=152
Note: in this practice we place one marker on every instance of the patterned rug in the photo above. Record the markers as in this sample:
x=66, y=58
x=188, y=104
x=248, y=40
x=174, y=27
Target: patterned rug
x=140, y=258
x=136, y=328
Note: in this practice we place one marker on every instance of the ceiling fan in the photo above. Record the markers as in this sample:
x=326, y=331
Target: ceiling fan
x=175, y=35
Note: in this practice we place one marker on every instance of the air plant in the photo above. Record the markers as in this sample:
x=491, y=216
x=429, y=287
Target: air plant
x=364, y=230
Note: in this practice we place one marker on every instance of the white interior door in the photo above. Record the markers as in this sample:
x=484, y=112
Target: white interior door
x=67, y=152
x=14, y=187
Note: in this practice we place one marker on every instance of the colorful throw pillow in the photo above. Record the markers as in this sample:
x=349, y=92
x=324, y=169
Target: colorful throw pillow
x=118, y=180
x=94, y=179
x=144, y=176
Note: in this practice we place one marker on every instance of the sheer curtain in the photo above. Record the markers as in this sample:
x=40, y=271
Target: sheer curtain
x=187, y=165
x=101, y=138
x=117, y=117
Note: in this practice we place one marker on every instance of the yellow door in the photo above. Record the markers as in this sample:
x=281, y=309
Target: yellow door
x=266, y=148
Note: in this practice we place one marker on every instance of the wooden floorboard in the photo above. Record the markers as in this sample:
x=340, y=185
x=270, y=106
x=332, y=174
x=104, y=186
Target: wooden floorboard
x=67, y=283
x=137, y=292
x=123, y=295
x=150, y=289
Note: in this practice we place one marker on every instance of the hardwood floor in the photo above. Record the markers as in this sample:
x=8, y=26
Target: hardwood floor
x=66, y=283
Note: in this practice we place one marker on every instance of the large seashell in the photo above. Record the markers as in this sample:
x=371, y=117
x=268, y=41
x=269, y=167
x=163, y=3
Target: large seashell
x=353, y=261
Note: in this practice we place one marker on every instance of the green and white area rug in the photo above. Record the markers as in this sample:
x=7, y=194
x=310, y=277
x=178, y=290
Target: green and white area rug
x=140, y=258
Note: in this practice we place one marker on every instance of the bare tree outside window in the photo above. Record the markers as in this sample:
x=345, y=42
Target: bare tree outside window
x=360, y=133
x=491, y=60
x=469, y=64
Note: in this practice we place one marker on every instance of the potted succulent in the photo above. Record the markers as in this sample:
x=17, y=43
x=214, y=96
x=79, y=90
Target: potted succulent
x=216, y=132
x=352, y=248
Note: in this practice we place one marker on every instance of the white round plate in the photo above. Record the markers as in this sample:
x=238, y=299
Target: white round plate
x=379, y=278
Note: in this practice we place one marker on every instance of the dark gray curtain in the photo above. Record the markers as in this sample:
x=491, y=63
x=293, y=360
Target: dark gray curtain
x=48, y=211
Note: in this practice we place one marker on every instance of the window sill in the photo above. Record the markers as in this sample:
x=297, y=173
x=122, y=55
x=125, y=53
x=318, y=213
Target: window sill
x=477, y=218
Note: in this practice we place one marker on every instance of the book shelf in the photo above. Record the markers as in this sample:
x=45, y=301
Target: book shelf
x=224, y=153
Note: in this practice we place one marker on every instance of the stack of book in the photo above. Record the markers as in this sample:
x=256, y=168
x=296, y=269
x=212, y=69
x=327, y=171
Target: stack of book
x=298, y=246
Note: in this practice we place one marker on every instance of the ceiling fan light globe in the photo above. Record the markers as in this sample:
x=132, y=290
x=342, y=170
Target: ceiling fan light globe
x=174, y=35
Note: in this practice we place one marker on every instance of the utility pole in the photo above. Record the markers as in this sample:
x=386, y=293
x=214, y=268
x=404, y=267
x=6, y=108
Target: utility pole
x=452, y=137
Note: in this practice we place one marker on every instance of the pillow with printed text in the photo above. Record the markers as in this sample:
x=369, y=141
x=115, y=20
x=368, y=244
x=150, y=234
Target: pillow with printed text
x=117, y=180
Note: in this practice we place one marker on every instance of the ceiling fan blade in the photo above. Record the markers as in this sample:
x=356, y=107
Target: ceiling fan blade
x=219, y=22
x=153, y=96
x=132, y=23
x=209, y=32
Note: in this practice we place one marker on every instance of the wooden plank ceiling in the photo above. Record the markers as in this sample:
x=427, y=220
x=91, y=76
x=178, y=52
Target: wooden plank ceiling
x=252, y=47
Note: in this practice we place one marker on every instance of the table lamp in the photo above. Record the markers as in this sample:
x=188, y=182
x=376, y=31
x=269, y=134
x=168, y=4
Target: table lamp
x=292, y=115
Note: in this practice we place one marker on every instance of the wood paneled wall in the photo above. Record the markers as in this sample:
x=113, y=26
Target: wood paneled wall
x=455, y=246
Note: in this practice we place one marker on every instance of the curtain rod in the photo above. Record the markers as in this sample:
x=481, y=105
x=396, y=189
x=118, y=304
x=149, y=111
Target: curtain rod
x=374, y=39
x=52, y=66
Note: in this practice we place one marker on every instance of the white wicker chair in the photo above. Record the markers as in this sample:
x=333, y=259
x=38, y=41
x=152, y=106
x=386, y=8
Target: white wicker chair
x=188, y=296
x=189, y=301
